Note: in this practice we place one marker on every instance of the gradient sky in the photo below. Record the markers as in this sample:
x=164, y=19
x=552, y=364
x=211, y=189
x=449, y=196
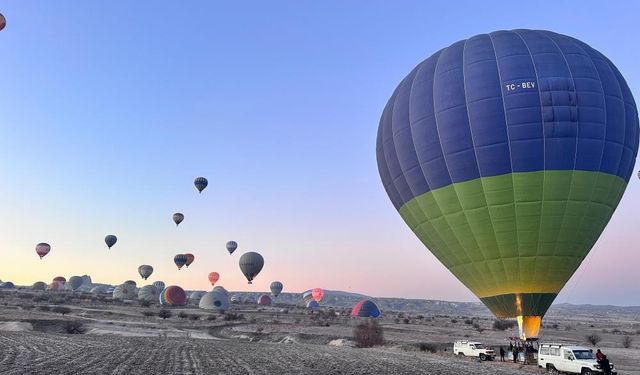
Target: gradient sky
x=110, y=109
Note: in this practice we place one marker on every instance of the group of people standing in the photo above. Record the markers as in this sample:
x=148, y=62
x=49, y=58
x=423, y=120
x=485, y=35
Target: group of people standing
x=516, y=349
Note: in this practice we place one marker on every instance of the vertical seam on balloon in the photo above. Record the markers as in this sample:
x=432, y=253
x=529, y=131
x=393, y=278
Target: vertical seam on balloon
x=506, y=125
x=466, y=105
x=435, y=118
x=424, y=175
x=544, y=146
x=391, y=186
x=604, y=144
x=575, y=154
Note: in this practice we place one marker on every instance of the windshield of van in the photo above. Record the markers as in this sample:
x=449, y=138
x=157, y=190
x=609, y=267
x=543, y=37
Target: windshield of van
x=583, y=354
x=479, y=346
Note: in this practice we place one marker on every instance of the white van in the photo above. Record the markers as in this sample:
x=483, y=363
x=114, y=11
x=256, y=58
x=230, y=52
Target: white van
x=473, y=349
x=569, y=358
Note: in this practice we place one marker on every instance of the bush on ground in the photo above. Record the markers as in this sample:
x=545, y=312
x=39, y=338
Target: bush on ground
x=74, y=327
x=627, y=341
x=593, y=339
x=164, y=314
x=368, y=334
x=61, y=310
x=502, y=325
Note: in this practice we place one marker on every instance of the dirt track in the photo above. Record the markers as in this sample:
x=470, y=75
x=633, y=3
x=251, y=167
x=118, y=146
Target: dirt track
x=38, y=353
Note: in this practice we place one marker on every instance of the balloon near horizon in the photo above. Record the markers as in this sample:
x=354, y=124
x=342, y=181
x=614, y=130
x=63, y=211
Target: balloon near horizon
x=506, y=154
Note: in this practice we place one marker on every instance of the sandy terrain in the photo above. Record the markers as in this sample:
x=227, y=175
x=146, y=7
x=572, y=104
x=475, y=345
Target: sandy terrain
x=118, y=339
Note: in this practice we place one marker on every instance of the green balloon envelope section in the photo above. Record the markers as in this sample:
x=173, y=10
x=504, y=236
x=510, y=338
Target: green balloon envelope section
x=506, y=154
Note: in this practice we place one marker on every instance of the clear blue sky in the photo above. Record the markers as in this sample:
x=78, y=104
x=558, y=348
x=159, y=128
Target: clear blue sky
x=110, y=109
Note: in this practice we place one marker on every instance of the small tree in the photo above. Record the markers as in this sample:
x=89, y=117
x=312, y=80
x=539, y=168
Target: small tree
x=164, y=314
x=368, y=334
x=501, y=325
x=182, y=315
x=74, y=328
x=148, y=313
x=627, y=341
x=593, y=339
x=62, y=310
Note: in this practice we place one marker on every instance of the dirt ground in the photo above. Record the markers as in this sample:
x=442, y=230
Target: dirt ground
x=116, y=338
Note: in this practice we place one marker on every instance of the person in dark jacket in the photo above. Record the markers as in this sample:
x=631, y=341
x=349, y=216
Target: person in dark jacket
x=515, y=354
x=605, y=365
x=501, y=354
x=599, y=355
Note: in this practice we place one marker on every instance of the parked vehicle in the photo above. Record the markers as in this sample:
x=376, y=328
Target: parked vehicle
x=568, y=358
x=473, y=349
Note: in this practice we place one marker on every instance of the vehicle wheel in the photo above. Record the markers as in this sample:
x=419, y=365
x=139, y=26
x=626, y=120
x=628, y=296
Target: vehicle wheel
x=483, y=357
x=586, y=371
x=552, y=369
x=461, y=354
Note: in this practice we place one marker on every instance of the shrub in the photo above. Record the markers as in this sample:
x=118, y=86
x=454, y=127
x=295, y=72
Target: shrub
x=61, y=310
x=406, y=320
x=468, y=322
x=164, y=314
x=501, y=325
x=145, y=303
x=212, y=317
x=593, y=339
x=396, y=320
x=27, y=306
x=182, y=315
x=427, y=347
x=233, y=316
x=368, y=334
x=477, y=327
x=148, y=313
x=627, y=341
x=194, y=317
x=555, y=326
x=40, y=298
x=454, y=321
x=73, y=327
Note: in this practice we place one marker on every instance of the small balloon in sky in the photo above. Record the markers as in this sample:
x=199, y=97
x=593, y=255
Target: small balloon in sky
x=110, y=240
x=214, y=277
x=200, y=183
x=3, y=22
x=180, y=260
x=145, y=271
x=232, y=246
x=251, y=264
x=190, y=259
x=178, y=218
x=43, y=249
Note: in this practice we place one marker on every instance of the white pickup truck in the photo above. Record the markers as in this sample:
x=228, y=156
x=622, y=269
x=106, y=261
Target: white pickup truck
x=473, y=349
x=569, y=359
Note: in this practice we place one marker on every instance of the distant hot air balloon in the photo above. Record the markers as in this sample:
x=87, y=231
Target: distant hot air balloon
x=60, y=279
x=312, y=304
x=317, y=294
x=110, y=240
x=178, y=218
x=39, y=285
x=180, y=260
x=507, y=154
x=130, y=283
x=200, y=183
x=232, y=246
x=190, y=259
x=250, y=264
x=173, y=296
x=3, y=22
x=56, y=286
x=276, y=288
x=307, y=296
x=145, y=271
x=124, y=292
x=148, y=293
x=214, y=277
x=75, y=282
x=264, y=300
x=365, y=309
x=159, y=285
x=43, y=249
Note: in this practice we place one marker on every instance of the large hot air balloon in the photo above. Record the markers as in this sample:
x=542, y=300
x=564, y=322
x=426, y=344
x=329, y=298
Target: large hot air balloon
x=56, y=286
x=145, y=271
x=124, y=291
x=200, y=183
x=365, y=309
x=217, y=299
x=7, y=285
x=214, y=277
x=110, y=240
x=507, y=154
x=195, y=296
x=180, y=260
x=250, y=264
x=60, y=279
x=39, y=285
x=130, y=283
x=3, y=22
x=148, y=293
x=173, y=296
x=264, y=300
x=276, y=288
x=190, y=259
x=317, y=294
x=232, y=246
x=178, y=218
x=74, y=282
x=42, y=249
x=159, y=285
